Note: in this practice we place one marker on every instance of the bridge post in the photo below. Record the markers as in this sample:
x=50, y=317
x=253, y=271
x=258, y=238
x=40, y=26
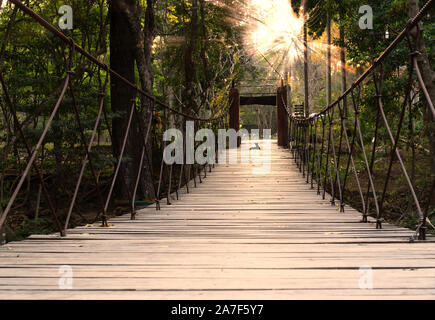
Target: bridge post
x=281, y=102
x=3, y=235
x=235, y=112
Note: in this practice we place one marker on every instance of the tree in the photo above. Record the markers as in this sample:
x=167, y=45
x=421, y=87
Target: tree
x=189, y=63
x=306, y=59
x=130, y=46
x=428, y=76
x=321, y=14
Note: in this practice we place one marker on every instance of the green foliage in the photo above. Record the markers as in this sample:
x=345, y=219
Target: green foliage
x=219, y=39
x=30, y=227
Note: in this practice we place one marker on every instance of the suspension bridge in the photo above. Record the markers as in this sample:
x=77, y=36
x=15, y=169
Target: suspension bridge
x=223, y=232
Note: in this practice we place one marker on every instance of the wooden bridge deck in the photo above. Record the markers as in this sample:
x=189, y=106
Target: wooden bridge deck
x=237, y=236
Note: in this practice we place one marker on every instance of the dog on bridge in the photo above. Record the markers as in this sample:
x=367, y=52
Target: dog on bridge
x=257, y=147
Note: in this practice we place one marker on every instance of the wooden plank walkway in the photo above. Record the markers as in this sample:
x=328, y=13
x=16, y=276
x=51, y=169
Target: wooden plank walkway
x=237, y=236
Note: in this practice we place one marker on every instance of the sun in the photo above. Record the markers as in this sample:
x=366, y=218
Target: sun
x=274, y=28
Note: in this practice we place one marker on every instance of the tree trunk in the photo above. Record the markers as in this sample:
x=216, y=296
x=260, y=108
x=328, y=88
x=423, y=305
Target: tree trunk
x=189, y=62
x=328, y=61
x=343, y=64
x=204, y=56
x=306, y=57
x=259, y=123
x=428, y=77
x=265, y=122
x=127, y=45
x=147, y=81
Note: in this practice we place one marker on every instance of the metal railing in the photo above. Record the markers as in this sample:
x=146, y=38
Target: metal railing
x=320, y=159
x=135, y=116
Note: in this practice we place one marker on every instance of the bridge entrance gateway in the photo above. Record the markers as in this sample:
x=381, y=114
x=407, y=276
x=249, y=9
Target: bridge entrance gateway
x=278, y=224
